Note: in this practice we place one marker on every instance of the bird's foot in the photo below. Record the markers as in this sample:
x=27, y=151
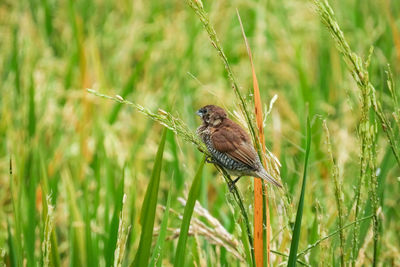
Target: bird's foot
x=210, y=160
x=232, y=184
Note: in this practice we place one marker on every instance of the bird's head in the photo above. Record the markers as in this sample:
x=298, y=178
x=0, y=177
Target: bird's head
x=212, y=115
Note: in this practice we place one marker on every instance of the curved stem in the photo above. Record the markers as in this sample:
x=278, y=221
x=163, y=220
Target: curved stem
x=238, y=199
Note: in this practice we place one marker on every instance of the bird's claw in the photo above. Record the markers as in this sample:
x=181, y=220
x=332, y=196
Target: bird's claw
x=231, y=186
x=210, y=160
x=231, y=183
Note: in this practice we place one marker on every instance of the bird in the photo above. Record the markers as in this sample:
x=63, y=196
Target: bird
x=230, y=145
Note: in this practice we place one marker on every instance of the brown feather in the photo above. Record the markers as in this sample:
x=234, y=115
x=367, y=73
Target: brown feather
x=231, y=139
x=227, y=141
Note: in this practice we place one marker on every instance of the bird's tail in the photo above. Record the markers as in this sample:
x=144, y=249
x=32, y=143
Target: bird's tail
x=264, y=175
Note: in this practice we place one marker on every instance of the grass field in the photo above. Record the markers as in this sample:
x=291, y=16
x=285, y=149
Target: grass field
x=83, y=178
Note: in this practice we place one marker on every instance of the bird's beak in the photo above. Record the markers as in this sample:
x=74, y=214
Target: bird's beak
x=199, y=113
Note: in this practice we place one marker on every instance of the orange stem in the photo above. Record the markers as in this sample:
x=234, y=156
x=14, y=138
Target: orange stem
x=258, y=183
x=258, y=222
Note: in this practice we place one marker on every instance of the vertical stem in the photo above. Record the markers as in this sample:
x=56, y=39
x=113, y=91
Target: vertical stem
x=338, y=193
x=258, y=223
x=367, y=126
x=238, y=199
x=373, y=190
x=15, y=192
x=259, y=198
x=363, y=169
x=268, y=224
x=197, y=6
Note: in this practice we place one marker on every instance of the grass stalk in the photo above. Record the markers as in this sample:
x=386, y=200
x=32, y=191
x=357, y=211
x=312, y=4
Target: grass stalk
x=164, y=118
x=17, y=245
x=156, y=258
x=391, y=87
x=148, y=212
x=197, y=7
x=260, y=198
x=77, y=235
x=359, y=72
x=44, y=185
x=356, y=229
x=287, y=256
x=299, y=215
x=373, y=191
x=332, y=234
x=182, y=130
x=48, y=230
x=64, y=149
x=239, y=201
x=123, y=233
x=338, y=194
x=367, y=127
x=193, y=195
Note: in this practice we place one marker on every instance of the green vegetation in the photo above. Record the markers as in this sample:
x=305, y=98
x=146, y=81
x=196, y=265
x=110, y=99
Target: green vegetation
x=299, y=215
x=99, y=181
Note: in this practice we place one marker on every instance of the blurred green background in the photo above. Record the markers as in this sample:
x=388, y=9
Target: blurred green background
x=88, y=151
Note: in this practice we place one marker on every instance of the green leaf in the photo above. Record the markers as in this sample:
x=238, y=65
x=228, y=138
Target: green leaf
x=157, y=253
x=245, y=242
x=77, y=234
x=30, y=224
x=177, y=173
x=31, y=110
x=385, y=165
x=113, y=230
x=187, y=215
x=148, y=211
x=11, y=247
x=44, y=184
x=297, y=226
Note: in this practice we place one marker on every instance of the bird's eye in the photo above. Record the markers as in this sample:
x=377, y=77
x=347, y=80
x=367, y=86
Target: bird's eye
x=201, y=112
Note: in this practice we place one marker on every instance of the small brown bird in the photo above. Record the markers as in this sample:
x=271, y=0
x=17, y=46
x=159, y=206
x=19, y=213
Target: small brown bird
x=230, y=145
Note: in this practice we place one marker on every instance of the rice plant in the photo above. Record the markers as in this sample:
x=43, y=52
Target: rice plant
x=101, y=164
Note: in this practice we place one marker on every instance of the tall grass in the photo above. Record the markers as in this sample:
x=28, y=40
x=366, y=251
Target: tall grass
x=261, y=202
x=367, y=126
x=187, y=215
x=338, y=194
x=80, y=164
x=299, y=215
x=148, y=211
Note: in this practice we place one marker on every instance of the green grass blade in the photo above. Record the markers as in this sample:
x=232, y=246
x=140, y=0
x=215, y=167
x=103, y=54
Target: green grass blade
x=113, y=231
x=148, y=212
x=187, y=215
x=388, y=160
x=76, y=234
x=177, y=173
x=15, y=197
x=44, y=184
x=157, y=253
x=15, y=61
x=246, y=246
x=123, y=231
x=297, y=226
x=11, y=247
x=47, y=233
x=30, y=224
x=31, y=113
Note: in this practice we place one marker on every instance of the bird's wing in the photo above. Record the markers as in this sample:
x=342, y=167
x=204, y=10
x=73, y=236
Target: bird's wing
x=235, y=143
